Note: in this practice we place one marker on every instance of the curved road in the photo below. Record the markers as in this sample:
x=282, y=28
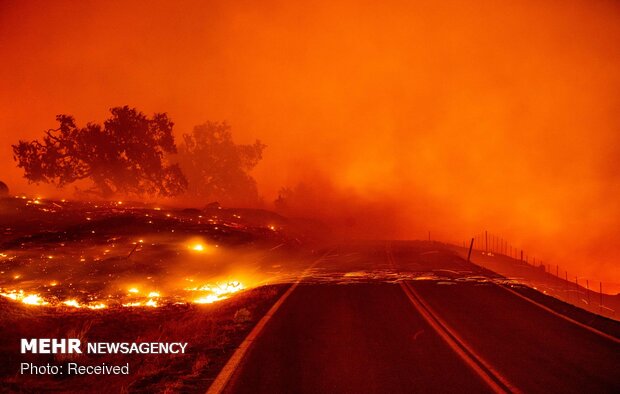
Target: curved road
x=343, y=331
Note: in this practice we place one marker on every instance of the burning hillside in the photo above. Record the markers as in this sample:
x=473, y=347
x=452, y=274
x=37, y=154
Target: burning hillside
x=95, y=255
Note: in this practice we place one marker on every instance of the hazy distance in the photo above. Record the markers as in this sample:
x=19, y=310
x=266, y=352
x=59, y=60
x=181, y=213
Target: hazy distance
x=397, y=118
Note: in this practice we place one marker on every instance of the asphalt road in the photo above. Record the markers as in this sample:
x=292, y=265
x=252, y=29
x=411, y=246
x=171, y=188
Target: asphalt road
x=536, y=350
x=366, y=334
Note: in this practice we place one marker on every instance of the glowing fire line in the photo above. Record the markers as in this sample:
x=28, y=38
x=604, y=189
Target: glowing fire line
x=208, y=294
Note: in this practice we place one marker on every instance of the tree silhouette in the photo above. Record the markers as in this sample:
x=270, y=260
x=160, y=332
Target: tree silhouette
x=217, y=168
x=125, y=155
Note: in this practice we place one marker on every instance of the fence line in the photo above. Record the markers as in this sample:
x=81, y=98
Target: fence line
x=492, y=245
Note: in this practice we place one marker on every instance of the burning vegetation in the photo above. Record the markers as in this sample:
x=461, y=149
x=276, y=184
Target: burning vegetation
x=122, y=271
x=95, y=255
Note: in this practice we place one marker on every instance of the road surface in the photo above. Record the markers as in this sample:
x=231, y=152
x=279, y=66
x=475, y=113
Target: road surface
x=364, y=322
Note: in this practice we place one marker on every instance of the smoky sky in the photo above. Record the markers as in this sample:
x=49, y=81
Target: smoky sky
x=399, y=117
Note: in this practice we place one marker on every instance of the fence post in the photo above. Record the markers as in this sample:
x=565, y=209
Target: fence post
x=567, y=287
x=486, y=242
x=601, y=291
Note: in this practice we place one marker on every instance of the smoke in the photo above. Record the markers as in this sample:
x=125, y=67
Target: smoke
x=398, y=118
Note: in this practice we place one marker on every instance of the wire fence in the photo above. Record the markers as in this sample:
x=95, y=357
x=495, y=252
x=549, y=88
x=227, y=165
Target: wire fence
x=499, y=255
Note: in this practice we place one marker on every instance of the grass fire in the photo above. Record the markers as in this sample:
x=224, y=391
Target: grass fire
x=95, y=255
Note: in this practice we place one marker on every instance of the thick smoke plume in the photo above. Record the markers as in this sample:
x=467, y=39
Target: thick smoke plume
x=396, y=117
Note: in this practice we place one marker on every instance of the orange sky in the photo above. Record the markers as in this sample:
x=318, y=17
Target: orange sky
x=404, y=116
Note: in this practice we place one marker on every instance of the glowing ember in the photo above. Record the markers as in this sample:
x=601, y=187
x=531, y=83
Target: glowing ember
x=203, y=294
x=211, y=298
x=72, y=303
x=150, y=303
x=198, y=247
x=33, y=299
x=12, y=296
x=132, y=304
x=29, y=299
x=219, y=292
